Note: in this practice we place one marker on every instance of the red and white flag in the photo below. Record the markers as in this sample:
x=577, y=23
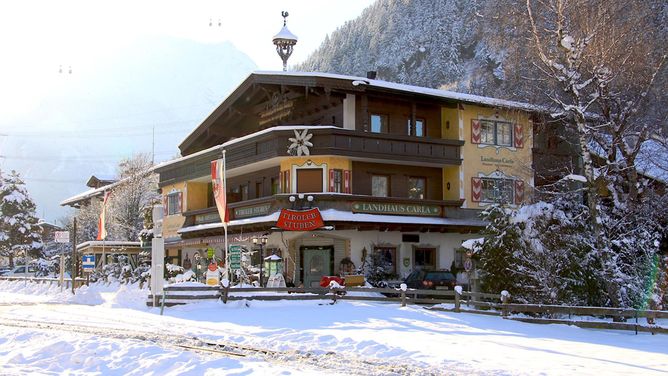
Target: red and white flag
x=101, y=226
x=218, y=180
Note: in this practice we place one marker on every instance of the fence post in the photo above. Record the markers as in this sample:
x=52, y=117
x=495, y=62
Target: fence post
x=162, y=303
x=403, y=288
x=226, y=288
x=457, y=298
x=505, y=298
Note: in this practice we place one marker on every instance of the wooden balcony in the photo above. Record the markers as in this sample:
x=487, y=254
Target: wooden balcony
x=327, y=140
x=388, y=148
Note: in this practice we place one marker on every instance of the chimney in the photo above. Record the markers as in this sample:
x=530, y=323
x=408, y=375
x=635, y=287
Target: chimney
x=371, y=75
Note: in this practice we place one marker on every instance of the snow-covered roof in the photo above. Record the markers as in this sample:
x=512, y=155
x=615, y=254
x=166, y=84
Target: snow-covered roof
x=357, y=81
x=284, y=34
x=339, y=215
x=445, y=94
x=240, y=139
x=108, y=244
x=96, y=191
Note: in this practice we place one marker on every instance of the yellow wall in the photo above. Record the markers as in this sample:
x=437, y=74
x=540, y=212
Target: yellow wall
x=512, y=162
x=332, y=162
x=196, y=196
x=172, y=223
x=450, y=123
x=451, y=176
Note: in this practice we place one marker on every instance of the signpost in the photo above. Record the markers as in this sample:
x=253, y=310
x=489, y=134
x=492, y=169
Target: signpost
x=235, y=257
x=88, y=263
x=60, y=238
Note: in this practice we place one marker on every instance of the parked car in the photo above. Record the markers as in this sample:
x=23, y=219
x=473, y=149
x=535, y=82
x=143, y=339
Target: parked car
x=431, y=280
x=20, y=271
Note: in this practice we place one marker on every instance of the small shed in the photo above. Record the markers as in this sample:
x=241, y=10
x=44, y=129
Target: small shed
x=111, y=250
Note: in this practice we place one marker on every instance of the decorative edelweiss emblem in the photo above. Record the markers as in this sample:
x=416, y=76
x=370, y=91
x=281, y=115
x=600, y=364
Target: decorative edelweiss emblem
x=300, y=143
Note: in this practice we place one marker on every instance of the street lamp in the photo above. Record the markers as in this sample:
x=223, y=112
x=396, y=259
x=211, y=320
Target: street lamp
x=260, y=241
x=285, y=42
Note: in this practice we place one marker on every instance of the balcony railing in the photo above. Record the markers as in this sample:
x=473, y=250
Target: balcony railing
x=336, y=141
x=327, y=140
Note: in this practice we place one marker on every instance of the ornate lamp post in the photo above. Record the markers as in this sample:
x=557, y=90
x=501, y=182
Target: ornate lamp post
x=284, y=42
x=260, y=241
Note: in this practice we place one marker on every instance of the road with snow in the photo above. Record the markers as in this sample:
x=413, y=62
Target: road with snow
x=108, y=330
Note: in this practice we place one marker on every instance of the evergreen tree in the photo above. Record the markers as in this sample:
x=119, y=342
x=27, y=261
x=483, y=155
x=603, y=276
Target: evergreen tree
x=19, y=233
x=496, y=254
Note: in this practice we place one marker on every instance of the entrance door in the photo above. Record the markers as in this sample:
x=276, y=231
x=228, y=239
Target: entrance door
x=317, y=262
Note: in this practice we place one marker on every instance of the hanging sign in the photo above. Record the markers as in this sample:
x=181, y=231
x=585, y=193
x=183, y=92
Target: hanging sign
x=300, y=220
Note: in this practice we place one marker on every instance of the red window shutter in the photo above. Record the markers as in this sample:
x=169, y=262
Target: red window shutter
x=180, y=208
x=519, y=192
x=331, y=180
x=287, y=181
x=519, y=135
x=476, y=189
x=346, y=182
x=475, y=131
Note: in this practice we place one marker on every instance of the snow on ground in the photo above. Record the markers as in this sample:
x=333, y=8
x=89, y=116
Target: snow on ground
x=357, y=333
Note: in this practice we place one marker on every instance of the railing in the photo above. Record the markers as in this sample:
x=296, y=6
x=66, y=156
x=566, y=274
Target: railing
x=78, y=282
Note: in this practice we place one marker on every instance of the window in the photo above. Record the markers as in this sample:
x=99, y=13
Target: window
x=496, y=133
x=258, y=189
x=210, y=199
x=419, y=130
x=274, y=186
x=416, y=187
x=425, y=258
x=337, y=180
x=244, y=192
x=309, y=180
x=388, y=258
x=497, y=190
x=174, y=203
x=380, y=185
x=378, y=123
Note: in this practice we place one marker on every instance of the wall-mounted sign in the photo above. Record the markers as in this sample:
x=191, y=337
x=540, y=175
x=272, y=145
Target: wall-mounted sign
x=206, y=218
x=251, y=211
x=496, y=161
x=300, y=220
x=396, y=209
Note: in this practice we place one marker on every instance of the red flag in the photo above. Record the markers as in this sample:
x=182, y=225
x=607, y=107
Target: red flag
x=219, y=194
x=101, y=226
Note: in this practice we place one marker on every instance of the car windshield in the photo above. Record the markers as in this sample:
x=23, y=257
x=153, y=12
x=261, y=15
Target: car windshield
x=439, y=276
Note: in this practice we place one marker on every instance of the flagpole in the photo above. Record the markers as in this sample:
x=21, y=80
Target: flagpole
x=227, y=253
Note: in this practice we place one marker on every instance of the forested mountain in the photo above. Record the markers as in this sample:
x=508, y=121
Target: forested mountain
x=452, y=44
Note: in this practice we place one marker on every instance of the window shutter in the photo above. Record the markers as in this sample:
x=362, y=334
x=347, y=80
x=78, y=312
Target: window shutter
x=287, y=181
x=476, y=189
x=280, y=182
x=180, y=208
x=346, y=181
x=519, y=192
x=165, y=209
x=331, y=180
x=519, y=135
x=475, y=131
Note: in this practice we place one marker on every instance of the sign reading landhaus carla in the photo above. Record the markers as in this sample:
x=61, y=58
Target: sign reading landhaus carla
x=396, y=209
x=300, y=220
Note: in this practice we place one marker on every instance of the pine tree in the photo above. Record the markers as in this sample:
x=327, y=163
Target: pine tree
x=19, y=233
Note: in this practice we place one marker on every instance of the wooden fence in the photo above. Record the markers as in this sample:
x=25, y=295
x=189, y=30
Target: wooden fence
x=471, y=302
x=78, y=282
